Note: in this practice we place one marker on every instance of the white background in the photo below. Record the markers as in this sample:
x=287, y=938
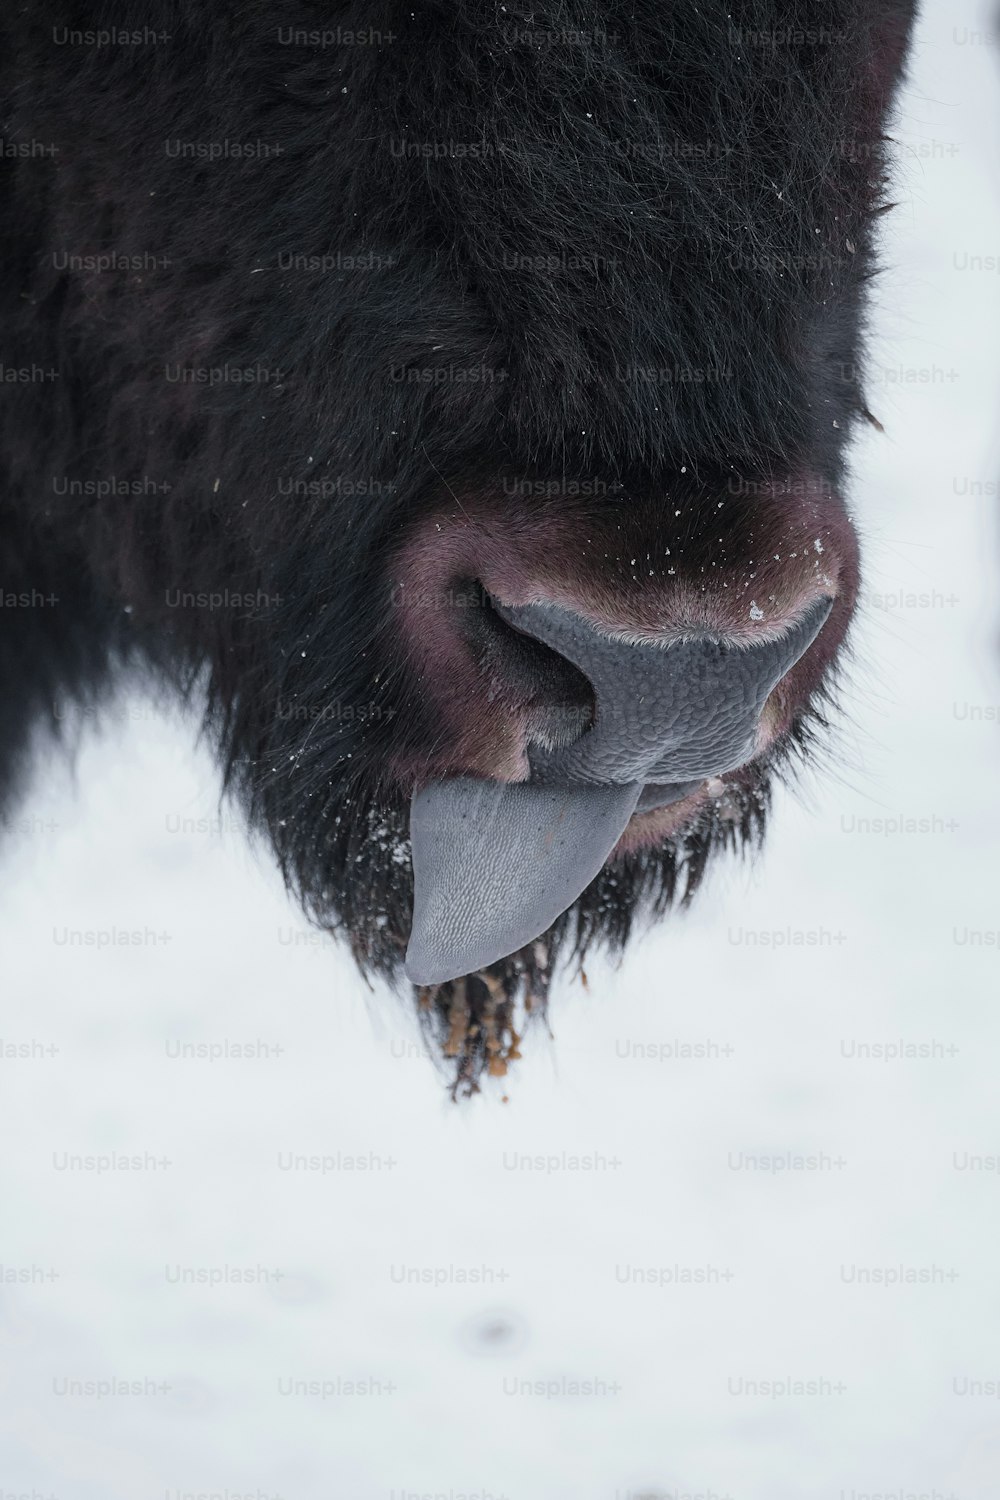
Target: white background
x=555, y=1251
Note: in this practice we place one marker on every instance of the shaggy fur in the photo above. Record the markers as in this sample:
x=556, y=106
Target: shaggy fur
x=438, y=245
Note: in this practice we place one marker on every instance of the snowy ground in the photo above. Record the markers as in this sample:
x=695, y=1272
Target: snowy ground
x=751, y=1275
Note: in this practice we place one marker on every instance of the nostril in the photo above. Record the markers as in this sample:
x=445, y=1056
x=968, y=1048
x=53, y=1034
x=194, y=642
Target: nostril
x=555, y=695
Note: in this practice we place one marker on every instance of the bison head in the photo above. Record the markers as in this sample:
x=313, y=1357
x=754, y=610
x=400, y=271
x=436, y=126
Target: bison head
x=530, y=495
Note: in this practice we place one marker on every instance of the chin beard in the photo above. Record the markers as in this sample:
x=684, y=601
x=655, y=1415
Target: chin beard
x=348, y=865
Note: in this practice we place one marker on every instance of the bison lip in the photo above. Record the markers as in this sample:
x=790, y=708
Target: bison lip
x=495, y=863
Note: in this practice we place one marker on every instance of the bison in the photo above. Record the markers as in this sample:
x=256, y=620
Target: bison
x=452, y=400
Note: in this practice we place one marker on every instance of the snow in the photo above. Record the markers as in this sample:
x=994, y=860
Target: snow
x=702, y=1114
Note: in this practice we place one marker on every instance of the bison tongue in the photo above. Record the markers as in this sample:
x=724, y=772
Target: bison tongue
x=495, y=863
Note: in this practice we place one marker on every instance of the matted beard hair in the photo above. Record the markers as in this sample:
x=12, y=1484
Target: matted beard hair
x=351, y=872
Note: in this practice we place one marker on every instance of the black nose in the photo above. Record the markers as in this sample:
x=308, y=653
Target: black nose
x=495, y=863
x=666, y=712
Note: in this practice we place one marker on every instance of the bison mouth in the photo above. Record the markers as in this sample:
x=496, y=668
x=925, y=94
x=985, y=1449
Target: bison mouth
x=350, y=864
x=495, y=863
x=475, y=1023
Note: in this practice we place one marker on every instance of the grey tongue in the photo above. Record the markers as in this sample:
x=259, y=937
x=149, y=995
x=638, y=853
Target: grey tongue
x=495, y=863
